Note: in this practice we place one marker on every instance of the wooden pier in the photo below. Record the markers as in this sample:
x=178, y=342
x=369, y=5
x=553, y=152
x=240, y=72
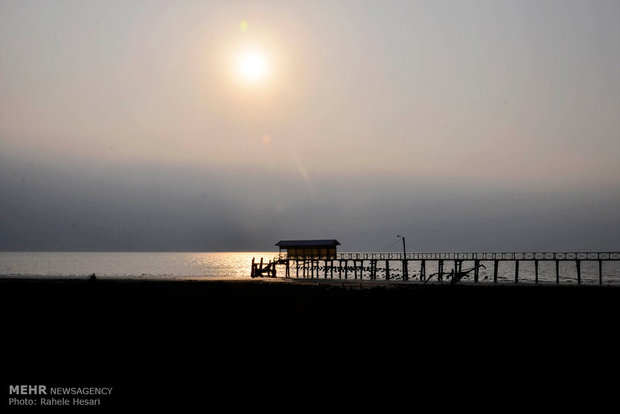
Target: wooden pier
x=439, y=267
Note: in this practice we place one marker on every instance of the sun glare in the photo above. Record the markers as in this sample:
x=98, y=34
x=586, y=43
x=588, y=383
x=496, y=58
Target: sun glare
x=252, y=66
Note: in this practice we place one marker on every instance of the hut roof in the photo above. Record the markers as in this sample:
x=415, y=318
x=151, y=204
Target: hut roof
x=308, y=243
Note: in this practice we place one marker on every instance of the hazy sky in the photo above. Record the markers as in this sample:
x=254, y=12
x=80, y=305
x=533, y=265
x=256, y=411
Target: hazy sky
x=466, y=125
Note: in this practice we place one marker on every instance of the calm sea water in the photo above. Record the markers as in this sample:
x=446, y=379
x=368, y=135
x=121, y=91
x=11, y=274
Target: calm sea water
x=119, y=264
x=237, y=264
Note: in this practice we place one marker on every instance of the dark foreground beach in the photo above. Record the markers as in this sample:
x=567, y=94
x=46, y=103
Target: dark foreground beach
x=259, y=343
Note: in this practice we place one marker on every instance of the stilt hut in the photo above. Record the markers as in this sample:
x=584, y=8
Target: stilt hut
x=324, y=249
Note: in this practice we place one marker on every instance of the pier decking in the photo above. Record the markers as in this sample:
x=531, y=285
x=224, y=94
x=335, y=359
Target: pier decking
x=423, y=267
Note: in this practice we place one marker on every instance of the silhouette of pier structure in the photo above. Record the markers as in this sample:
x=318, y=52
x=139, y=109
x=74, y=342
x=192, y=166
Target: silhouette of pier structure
x=438, y=267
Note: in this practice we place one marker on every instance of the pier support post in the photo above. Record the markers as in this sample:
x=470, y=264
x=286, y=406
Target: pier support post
x=440, y=270
x=476, y=273
x=458, y=264
x=600, y=272
x=557, y=271
x=362, y=269
x=325, y=268
x=387, y=270
x=495, y=266
x=535, y=271
x=517, y=271
x=423, y=270
x=405, y=269
x=346, y=269
x=578, y=272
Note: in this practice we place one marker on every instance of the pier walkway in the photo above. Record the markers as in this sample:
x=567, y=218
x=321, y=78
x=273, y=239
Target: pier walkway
x=495, y=267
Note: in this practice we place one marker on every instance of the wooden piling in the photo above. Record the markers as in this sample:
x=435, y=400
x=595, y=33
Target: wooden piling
x=600, y=272
x=578, y=263
x=535, y=271
x=387, y=270
x=440, y=270
x=476, y=273
x=517, y=271
x=423, y=270
x=495, y=266
x=557, y=271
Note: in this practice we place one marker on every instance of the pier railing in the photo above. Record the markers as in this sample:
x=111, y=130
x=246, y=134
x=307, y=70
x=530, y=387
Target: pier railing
x=466, y=256
x=482, y=256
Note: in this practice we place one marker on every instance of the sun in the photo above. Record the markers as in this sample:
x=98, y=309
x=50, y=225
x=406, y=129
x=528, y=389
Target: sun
x=253, y=66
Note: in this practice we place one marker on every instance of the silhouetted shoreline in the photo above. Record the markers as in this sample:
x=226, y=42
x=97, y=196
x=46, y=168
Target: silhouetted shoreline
x=162, y=340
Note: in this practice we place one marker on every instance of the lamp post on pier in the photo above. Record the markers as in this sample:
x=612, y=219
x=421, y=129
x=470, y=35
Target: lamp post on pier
x=404, y=250
x=405, y=269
